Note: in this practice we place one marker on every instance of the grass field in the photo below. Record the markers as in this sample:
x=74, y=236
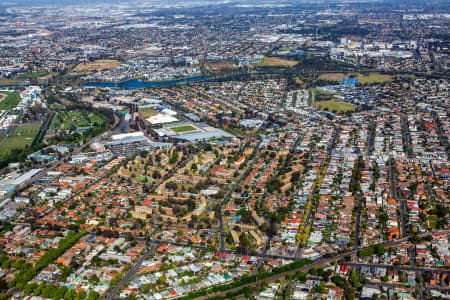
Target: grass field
x=10, y=82
x=363, y=78
x=22, y=137
x=67, y=120
x=334, y=105
x=183, y=128
x=300, y=82
x=34, y=75
x=98, y=65
x=276, y=62
x=11, y=101
x=320, y=95
x=147, y=112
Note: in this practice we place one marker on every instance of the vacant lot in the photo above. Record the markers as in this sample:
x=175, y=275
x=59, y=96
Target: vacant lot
x=22, y=137
x=276, y=62
x=10, y=101
x=147, y=112
x=4, y=82
x=334, y=105
x=183, y=128
x=98, y=65
x=363, y=78
x=219, y=65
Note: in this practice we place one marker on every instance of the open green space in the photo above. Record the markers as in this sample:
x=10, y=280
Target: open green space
x=34, y=75
x=72, y=119
x=276, y=62
x=334, y=105
x=368, y=78
x=23, y=136
x=147, y=112
x=4, y=82
x=320, y=95
x=183, y=128
x=11, y=101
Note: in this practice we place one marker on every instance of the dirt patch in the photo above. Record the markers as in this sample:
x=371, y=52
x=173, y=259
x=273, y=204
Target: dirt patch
x=98, y=65
x=2, y=97
x=276, y=62
x=220, y=65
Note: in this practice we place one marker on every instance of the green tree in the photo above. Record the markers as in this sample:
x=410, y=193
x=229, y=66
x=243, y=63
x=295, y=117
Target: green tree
x=93, y=295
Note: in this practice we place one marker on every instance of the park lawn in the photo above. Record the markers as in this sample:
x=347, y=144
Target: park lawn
x=147, y=112
x=363, y=78
x=183, y=128
x=11, y=101
x=320, y=95
x=374, y=78
x=34, y=75
x=64, y=121
x=300, y=81
x=432, y=220
x=334, y=105
x=276, y=62
x=23, y=136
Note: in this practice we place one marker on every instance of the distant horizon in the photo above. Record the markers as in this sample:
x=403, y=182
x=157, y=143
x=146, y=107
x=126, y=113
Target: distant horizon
x=197, y=2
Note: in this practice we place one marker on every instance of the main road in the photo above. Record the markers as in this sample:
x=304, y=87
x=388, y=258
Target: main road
x=113, y=291
x=318, y=263
x=230, y=192
x=395, y=196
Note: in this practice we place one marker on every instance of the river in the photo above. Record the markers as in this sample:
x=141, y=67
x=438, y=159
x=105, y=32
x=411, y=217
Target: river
x=136, y=84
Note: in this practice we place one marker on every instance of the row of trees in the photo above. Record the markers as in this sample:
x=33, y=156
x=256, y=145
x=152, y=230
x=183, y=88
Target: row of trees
x=247, y=279
x=27, y=274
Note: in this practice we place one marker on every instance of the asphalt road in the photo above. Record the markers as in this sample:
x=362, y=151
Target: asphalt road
x=230, y=192
x=442, y=137
x=394, y=195
x=318, y=263
x=358, y=221
x=403, y=268
x=371, y=140
x=406, y=136
x=112, y=292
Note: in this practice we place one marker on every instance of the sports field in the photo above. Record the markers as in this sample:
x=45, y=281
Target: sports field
x=23, y=136
x=334, y=105
x=183, y=128
x=276, y=62
x=10, y=101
